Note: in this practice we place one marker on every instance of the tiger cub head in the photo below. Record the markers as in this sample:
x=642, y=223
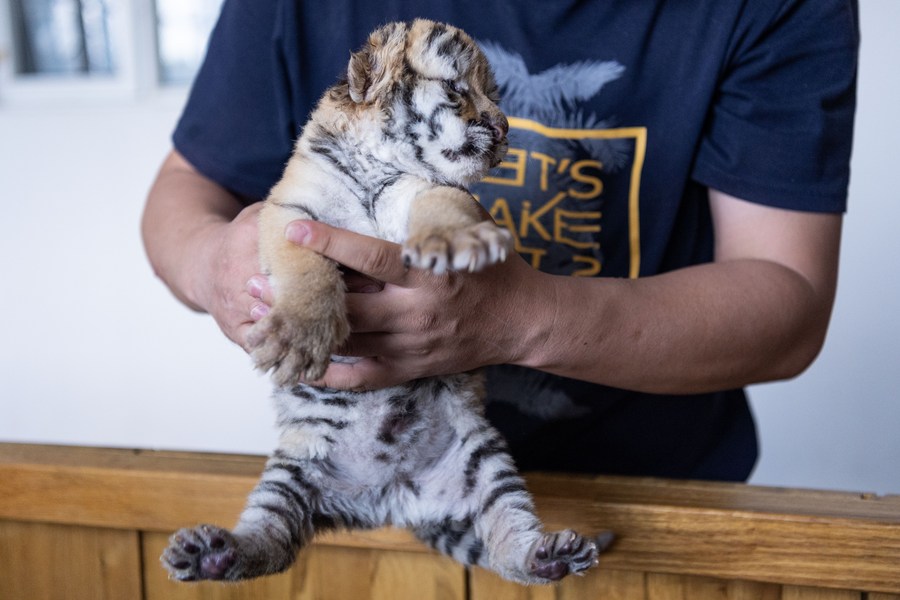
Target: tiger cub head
x=435, y=95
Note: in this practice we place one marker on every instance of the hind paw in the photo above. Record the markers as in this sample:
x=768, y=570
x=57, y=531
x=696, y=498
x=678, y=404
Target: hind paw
x=205, y=552
x=558, y=554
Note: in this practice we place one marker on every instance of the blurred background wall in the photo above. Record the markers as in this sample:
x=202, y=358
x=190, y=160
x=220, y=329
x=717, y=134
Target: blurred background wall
x=96, y=351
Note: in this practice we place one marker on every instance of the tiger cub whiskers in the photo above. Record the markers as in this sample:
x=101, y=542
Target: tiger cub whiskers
x=387, y=153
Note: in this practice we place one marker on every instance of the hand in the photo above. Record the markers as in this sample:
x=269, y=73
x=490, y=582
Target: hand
x=420, y=324
x=232, y=290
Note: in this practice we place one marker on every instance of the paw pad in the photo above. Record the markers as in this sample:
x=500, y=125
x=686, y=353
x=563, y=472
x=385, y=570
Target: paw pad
x=205, y=552
x=556, y=555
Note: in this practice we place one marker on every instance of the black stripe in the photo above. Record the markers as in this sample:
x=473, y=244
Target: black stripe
x=385, y=184
x=322, y=521
x=333, y=155
x=508, y=488
x=333, y=423
x=452, y=46
x=286, y=492
x=437, y=30
x=407, y=482
x=297, y=474
x=328, y=398
x=505, y=474
x=302, y=391
x=466, y=150
x=434, y=125
x=298, y=207
x=454, y=532
x=474, y=553
x=341, y=401
x=335, y=519
x=476, y=431
x=491, y=447
x=295, y=536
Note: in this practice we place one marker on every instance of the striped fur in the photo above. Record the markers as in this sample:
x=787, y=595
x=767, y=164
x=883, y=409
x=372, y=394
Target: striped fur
x=387, y=152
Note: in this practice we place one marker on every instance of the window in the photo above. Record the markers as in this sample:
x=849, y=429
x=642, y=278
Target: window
x=86, y=50
x=182, y=29
x=61, y=37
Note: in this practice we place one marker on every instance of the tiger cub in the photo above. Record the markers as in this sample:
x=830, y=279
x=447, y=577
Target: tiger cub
x=386, y=153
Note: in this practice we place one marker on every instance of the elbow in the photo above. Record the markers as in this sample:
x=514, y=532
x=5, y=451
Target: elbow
x=800, y=353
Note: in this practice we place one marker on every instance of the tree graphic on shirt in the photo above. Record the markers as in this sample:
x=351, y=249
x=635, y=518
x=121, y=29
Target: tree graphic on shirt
x=553, y=98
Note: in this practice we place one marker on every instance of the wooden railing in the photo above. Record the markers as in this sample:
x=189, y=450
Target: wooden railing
x=89, y=523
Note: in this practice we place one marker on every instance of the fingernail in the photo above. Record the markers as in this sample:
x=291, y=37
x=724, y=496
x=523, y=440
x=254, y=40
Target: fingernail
x=255, y=287
x=258, y=311
x=297, y=232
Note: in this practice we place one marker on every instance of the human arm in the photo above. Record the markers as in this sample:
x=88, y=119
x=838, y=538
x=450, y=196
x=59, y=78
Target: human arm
x=759, y=312
x=202, y=242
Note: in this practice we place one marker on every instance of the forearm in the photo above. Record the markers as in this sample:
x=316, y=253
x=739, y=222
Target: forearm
x=184, y=213
x=715, y=326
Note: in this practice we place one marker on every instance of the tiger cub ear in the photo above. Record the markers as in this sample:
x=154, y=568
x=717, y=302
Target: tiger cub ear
x=372, y=70
x=358, y=75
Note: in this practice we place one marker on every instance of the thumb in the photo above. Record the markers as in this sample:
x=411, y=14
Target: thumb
x=376, y=258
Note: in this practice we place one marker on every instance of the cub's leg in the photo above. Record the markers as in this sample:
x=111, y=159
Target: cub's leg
x=501, y=531
x=276, y=523
x=448, y=230
x=308, y=319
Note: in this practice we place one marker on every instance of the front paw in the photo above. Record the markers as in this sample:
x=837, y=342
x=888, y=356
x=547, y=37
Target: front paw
x=295, y=347
x=469, y=249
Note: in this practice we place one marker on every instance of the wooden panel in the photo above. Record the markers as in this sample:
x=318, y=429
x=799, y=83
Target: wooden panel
x=812, y=593
x=728, y=531
x=40, y=561
x=322, y=573
x=720, y=496
x=613, y=584
x=599, y=583
x=124, y=489
x=384, y=575
x=682, y=587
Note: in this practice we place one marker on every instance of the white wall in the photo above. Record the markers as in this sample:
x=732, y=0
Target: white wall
x=838, y=425
x=95, y=351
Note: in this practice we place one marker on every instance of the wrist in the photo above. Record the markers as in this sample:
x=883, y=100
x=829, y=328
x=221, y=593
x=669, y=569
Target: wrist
x=571, y=319
x=529, y=318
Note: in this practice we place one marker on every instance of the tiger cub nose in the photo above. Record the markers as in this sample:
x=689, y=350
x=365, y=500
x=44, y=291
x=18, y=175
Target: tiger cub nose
x=497, y=123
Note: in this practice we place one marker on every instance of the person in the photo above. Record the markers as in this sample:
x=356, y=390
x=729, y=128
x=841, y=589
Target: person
x=675, y=186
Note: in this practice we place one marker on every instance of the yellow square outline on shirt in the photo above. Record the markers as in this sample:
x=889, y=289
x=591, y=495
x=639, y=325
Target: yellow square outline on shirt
x=639, y=134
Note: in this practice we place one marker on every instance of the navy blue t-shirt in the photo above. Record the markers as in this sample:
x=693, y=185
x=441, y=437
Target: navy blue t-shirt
x=623, y=113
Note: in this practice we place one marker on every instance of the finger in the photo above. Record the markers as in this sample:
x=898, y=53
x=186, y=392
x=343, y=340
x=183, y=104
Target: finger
x=376, y=258
x=365, y=374
x=258, y=310
x=357, y=283
x=239, y=336
x=258, y=287
x=367, y=345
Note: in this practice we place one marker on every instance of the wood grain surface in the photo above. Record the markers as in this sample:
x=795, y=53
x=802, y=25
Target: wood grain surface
x=675, y=539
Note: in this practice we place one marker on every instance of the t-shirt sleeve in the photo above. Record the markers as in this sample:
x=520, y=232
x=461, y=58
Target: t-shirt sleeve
x=780, y=129
x=237, y=128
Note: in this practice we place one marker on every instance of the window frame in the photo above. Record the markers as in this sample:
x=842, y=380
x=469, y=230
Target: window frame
x=133, y=35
